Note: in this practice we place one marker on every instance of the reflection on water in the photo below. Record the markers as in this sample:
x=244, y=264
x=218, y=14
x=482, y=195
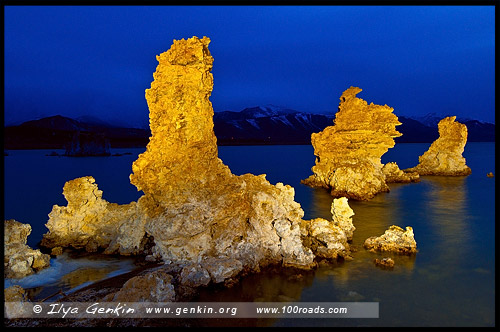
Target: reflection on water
x=84, y=275
x=371, y=218
x=421, y=290
x=446, y=209
x=271, y=285
x=68, y=274
x=449, y=282
x=356, y=280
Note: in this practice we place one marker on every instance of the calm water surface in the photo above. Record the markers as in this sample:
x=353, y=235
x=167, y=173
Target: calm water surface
x=450, y=282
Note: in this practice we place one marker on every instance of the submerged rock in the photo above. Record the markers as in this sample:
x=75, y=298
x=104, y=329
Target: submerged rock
x=444, y=156
x=395, y=239
x=348, y=153
x=384, y=262
x=19, y=259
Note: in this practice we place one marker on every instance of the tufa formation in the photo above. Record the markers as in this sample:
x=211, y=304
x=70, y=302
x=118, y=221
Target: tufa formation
x=394, y=175
x=194, y=206
x=348, y=153
x=194, y=211
x=86, y=144
x=19, y=259
x=91, y=223
x=444, y=156
x=395, y=239
x=329, y=239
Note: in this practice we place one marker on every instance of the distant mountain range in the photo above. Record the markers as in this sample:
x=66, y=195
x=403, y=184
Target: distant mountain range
x=274, y=125
x=55, y=132
x=268, y=125
x=256, y=125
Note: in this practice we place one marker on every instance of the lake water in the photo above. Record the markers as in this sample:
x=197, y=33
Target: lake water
x=450, y=281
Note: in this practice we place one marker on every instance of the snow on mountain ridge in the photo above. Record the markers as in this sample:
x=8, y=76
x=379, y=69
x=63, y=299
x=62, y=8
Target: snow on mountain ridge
x=432, y=119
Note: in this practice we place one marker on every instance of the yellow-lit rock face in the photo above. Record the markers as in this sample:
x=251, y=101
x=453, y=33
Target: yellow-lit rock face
x=180, y=162
x=196, y=208
x=444, y=156
x=195, y=212
x=19, y=259
x=329, y=239
x=90, y=222
x=348, y=153
x=395, y=239
x=394, y=174
x=341, y=214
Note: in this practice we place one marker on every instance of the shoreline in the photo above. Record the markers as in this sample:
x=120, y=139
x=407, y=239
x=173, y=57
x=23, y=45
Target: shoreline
x=97, y=291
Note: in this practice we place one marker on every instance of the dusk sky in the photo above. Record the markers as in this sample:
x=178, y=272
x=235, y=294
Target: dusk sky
x=98, y=61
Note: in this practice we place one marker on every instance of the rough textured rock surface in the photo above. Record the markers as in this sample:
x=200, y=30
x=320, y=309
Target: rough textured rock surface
x=394, y=174
x=222, y=269
x=384, y=262
x=196, y=208
x=194, y=212
x=15, y=294
x=56, y=251
x=325, y=239
x=348, y=153
x=19, y=259
x=444, y=156
x=329, y=239
x=342, y=216
x=152, y=287
x=395, y=239
x=90, y=222
x=194, y=275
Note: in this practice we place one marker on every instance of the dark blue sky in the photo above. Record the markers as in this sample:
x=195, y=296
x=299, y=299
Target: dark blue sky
x=98, y=61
